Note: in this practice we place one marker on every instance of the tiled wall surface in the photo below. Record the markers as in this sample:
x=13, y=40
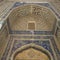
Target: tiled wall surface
x=19, y=39
x=47, y=42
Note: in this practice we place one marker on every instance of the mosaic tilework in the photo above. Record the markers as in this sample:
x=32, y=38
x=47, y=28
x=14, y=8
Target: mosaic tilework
x=44, y=43
x=19, y=43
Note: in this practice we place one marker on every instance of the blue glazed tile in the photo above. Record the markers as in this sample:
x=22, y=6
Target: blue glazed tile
x=17, y=4
x=45, y=44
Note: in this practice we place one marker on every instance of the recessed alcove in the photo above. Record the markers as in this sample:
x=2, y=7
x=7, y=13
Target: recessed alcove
x=43, y=17
x=33, y=25
x=31, y=52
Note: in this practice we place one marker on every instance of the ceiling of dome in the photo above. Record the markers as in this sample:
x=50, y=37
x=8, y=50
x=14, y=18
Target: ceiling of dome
x=20, y=17
x=8, y=4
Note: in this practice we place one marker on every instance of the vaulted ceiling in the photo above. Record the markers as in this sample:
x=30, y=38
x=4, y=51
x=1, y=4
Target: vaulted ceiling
x=5, y=5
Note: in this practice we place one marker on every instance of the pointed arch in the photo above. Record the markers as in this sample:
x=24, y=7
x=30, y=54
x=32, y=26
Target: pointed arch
x=34, y=48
